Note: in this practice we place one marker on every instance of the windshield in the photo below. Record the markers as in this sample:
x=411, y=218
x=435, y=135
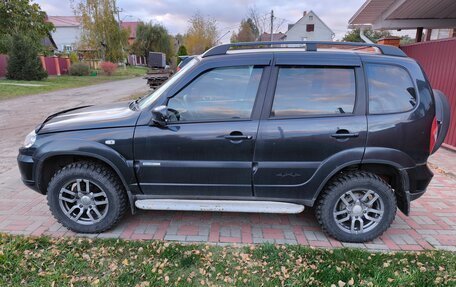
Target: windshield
x=157, y=93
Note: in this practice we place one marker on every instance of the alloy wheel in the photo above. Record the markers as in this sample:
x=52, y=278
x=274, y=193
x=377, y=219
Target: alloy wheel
x=83, y=201
x=358, y=211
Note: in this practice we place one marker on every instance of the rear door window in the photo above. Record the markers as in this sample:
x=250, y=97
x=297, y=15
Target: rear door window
x=310, y=91
x=391, y=89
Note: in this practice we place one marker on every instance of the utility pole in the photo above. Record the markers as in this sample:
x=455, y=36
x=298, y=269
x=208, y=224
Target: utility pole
x=272, y=25
x=118, y=10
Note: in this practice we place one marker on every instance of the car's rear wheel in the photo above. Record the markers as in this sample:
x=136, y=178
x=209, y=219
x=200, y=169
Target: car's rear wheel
x=86, y=197
x=356, y=207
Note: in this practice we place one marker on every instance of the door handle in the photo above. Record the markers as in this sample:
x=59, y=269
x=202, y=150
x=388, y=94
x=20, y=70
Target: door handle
x=237, y=137
x=341, y=134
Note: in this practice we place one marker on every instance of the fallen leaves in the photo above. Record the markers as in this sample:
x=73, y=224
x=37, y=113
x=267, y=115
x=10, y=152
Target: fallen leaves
x=125, y=262
x=80, y=262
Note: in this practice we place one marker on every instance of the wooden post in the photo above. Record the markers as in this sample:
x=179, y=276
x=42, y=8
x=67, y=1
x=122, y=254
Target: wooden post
x=43, y=62
x=57, y=65
x=419, y=34
x=428, y=34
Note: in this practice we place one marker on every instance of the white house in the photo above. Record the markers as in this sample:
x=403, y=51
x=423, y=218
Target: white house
x=67, y=31
x=309, y=28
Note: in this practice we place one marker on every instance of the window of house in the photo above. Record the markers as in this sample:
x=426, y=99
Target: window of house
x=219, y=94
x=311, y=17
x=310, y=27
x=391, y=89
x=302, y=91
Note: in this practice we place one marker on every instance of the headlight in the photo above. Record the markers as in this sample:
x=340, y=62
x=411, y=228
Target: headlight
x=30, y=139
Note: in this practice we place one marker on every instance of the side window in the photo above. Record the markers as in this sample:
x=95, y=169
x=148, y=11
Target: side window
x=391, y=89
x=219, y=94
x=314, y=91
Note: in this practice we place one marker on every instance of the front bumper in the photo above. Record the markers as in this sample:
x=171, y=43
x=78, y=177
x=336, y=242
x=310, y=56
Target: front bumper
x=26, y=167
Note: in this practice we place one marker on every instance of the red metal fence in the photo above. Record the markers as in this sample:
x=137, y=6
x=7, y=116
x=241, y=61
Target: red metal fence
x=53, y=65
x=50, y=65
x=3, y=64
x=438, y=59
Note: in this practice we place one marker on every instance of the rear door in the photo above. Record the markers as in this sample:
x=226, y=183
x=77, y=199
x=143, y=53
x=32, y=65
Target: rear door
x=313, y=123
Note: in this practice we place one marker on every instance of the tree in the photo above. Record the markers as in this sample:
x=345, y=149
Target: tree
x=23, y=62
x=153, y=38
x=182, y=51
x=201, y=34
x=259, y=19
x=248, y=32
x=405, y=40
x=100, y=31
x=373, y=35
x=21, y=17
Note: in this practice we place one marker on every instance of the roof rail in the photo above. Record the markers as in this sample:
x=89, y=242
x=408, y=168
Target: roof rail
x=310, y=46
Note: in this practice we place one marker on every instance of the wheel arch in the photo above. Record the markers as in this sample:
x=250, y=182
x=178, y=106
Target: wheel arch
x=49, y=164
x=393, y=174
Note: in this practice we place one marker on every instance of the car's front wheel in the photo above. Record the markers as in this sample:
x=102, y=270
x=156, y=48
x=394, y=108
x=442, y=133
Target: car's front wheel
x=86, y=197
x=356, y=207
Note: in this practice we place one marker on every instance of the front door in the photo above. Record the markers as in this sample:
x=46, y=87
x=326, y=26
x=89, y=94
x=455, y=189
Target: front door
x=313, y=124
x=207, y=148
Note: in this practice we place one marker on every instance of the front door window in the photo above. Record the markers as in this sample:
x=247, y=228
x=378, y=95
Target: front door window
x=218, y=95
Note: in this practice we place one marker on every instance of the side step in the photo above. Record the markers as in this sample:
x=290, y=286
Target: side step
x=219, y=205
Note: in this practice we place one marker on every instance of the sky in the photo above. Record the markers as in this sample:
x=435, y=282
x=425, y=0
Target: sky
x=174, y=14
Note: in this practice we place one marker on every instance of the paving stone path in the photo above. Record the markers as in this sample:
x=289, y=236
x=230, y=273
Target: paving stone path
x=432, y=224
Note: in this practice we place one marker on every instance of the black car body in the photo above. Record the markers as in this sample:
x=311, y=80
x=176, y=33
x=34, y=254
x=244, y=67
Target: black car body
x=184, y=61
x=259, y=125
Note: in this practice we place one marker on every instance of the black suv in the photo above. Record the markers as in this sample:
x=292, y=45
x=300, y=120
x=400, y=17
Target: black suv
x=251, y=127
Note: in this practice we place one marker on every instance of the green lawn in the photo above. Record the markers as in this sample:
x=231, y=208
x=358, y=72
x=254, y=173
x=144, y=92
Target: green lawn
x=53, y=83
x=42, y=261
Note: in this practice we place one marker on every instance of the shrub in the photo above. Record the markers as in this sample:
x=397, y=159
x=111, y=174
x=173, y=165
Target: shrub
x=181, y=52
x=108, y=68
x=74, y=57
x=23, y=61
x=79, y=69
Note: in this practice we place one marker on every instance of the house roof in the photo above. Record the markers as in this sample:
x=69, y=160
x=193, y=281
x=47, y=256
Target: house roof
x=403, y=14
x=307, y=14
x=49, y=42
x=65, y=21
x=265, y=37
x=132, y=27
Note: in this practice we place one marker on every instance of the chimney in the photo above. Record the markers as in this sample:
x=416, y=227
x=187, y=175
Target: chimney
x=304, y=13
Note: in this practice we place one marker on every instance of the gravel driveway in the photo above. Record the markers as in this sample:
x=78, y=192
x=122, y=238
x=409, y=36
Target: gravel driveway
x=19, y=116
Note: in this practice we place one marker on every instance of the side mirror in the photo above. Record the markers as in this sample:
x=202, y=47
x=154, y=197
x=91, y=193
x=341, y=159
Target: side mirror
x=160, y=116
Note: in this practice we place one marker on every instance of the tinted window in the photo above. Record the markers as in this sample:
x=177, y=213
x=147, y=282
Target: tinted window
x=390, y=89
x=220, y=94
x=314, y=91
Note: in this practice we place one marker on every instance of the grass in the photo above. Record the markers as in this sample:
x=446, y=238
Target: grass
x=42, y=261
x=53, y=83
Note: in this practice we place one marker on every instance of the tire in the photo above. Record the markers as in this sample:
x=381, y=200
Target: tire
x=90, y=189
x=354, y=196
